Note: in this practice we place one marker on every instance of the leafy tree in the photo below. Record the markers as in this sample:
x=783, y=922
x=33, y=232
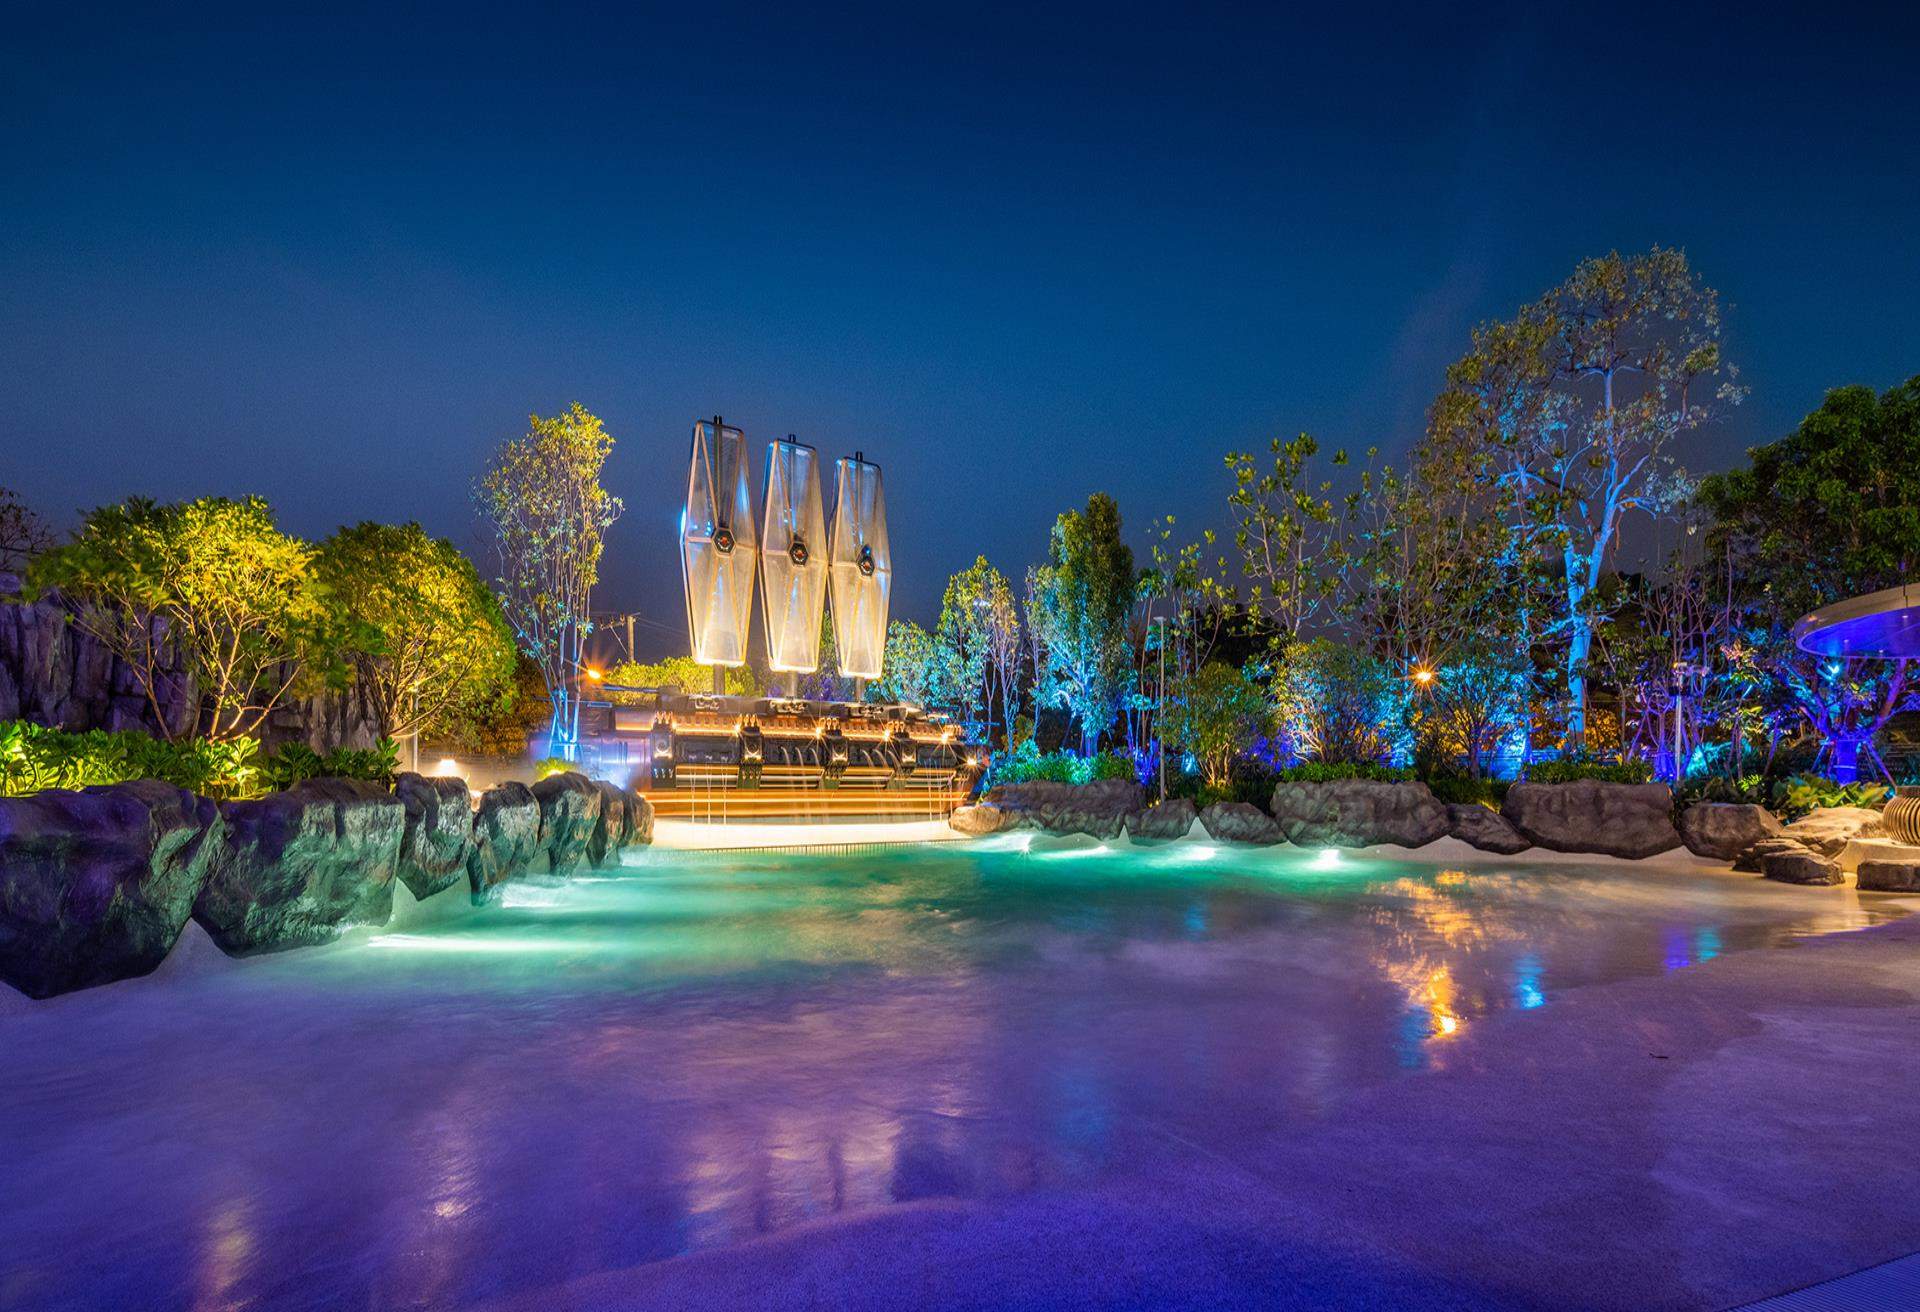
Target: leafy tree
x=1830, y=511
x=977, y=640
x=1085, y=598
x=423, y=633
x=548, y=513
x=23, y=534
x=1339, y=703
x=910, y=666
x=679, y=673
x=1216, y=713
x=1286, y=529
x=1576, y=404
x=1474, y=700
x=211, y=584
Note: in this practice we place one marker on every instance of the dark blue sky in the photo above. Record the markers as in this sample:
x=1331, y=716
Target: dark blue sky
x=1014, y=257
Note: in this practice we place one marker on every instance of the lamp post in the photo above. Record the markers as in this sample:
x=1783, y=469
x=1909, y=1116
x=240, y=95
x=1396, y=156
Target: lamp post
x=1160, y=711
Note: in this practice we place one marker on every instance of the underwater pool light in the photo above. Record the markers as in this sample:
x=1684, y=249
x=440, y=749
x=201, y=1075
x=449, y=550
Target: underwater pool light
x=1327, y=856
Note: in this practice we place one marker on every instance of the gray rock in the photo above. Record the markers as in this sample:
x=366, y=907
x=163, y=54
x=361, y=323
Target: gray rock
x=983, y=819
x=1099, y=808
x=1723, y=830
x=1484, y=828
x=506, y=835
x=1888, y=877
x=439, y=832
x=1240, y=822
x=96, y=885
x=1829, y=829
x=1172, y=818
x=1589, y=815
x=301, y=866
x=626, y=820
x=1358, y=813
x=1749, y=860
x=569, y=813
x=1801, y=867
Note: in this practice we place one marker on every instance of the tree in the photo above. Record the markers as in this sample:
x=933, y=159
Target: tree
x=1286, y=528
x=976, y=640
x=423, y=633
x=678, y=674
x=548, y=513
x=909, y=666
x=1828, y=512
x=210, y=584
x=23, y=534
x=1473, y=699
x=1216, y=713
x=1085, y=597
x=1339, y=703
x=1578, y=401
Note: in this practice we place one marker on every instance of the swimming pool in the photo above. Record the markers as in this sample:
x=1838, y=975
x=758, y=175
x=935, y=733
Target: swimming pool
x=705, y=1049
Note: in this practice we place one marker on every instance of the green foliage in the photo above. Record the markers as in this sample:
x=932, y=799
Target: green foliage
x=910, y=668
x=1338, y=703
x=1326, y=772
x=976, y=641
x=548, y=766
x=1284, y=527
x=211, y=583
x=1750, y=789
x=1466, y=790
x=424, y=634
x=543, y=501
x=677, y=673
x=1216, y=714
x=23, y=534
x=33, y=758
x=1028, y=764
x=1796, y=796
x=1083, y=599
x=1632, y=771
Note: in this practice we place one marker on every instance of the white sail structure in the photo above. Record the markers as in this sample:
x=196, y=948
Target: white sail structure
x=793, y=560
x=717, y=542
x=862, y=567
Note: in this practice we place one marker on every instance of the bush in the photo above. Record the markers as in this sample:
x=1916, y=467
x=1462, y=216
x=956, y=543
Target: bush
x=34, y=758
x=548, y=766
x=1796, y=796
x=1326, y=772
x=1752, y=789
x=1463, y=790
x=1631, y=771
x=1028, y=764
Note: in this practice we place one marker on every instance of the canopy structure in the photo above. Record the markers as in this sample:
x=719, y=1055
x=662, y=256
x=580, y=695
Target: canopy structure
x=717, y=545
x=1884, y=623
x=793, y=558
x=862, y=567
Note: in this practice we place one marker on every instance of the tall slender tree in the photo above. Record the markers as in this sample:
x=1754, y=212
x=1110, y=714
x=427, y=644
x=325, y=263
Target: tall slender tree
x=1086, y=595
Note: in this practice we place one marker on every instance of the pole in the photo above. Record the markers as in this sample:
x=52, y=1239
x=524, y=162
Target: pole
x=630, y=655
x=1160, y=712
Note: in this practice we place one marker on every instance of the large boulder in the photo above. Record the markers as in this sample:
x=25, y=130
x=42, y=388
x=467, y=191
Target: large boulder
x=626, y=820
x=1802, y=867
x=506, y=834
x=1484, y=828
x=1750, y=858
x=96, y=885
x=1240, y=822
x=1829, y=829
x=1723, y=830
x=300, y=866
x=1099, y=808
x=978, y=821
x=1358, y=813
x=439, y=833
x=1172, y=818
x=1590, y=815
x=1888, y=877
x=569, y=813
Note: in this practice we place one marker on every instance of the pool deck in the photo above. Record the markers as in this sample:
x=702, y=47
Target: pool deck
x=1700, y=1139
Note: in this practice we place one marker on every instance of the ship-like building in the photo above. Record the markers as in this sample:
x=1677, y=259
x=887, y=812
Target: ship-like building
x=714, y=756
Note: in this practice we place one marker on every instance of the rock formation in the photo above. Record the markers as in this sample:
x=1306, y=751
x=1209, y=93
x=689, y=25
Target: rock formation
x=1590, y=815
x=439, y=832
x=1170, y=819
x=1723, y=830
x=1240, y=822
x=1485, y=829
x=1358, y=813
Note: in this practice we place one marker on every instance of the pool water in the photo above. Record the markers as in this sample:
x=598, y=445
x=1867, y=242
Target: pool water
x=703, y=1049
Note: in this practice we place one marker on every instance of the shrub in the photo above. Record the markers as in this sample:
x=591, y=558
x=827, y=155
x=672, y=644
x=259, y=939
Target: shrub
x=1028, y=764
x=1464, y=790
x=1326, y=772
x=1796, y=796
x=33, y=758
x=1631, y=771
x=548, y=766
x=1751, y=789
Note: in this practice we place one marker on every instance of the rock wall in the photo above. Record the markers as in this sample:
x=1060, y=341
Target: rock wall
x=96, y=885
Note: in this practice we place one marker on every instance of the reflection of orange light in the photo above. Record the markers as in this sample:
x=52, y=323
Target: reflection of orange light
x=1446, y=1021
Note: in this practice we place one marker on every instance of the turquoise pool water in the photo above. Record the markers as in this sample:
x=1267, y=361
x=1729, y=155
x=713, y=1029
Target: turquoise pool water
x=706, y=1049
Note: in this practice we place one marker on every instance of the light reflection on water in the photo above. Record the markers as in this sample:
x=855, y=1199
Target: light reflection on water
x=705, y=1049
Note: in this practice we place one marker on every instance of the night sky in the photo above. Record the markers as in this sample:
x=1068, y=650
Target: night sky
x=1015, y=258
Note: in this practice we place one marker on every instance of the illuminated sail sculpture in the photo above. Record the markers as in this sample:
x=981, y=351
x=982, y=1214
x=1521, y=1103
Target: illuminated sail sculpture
x=793, y=562
x=717, y=545
x=862, y=567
